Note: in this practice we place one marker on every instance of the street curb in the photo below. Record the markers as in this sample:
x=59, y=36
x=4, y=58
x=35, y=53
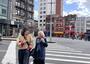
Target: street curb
x=51, y=42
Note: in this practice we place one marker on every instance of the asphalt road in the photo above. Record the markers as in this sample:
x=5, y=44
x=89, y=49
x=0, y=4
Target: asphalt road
x=59, y=53
x=3, y=48
x=64, y=51
x=80, y=45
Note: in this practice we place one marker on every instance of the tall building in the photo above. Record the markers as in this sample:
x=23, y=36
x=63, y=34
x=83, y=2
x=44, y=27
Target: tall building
x=42, y=14
x=57, y=7
x=24, y=9
x=45, y=12
x=4, y=15
x=21, y=11
x=82, y=24
x=88, y=24
x=87, y=34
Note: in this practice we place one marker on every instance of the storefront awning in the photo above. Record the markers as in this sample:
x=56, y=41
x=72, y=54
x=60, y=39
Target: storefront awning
x=58, y=32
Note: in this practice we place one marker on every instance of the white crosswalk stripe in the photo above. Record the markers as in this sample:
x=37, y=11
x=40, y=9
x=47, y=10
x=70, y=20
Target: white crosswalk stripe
x=75, y=57
x=10, y=56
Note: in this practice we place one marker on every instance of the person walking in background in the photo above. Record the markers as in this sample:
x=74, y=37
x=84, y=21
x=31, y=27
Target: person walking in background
x=25, y=44
x=39, y=52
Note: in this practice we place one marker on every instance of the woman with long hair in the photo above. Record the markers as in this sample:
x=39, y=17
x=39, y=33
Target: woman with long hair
x=25, y=44
x=39, y=52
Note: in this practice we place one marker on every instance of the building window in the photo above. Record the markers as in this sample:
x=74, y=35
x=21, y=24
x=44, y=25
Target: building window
x=44, y=12
x=41, y=4
x=40, y=24
x=88, y=21
x=43, y=24
x=44, y=8
x=41, y=12
x=41, y=8
x=40, y=16
x=87, y=25
x=44, y=20
x=3, y=11
x=44, y=3
x=4, y=1
x=22, y=13
x=40, y=20
x=18, y=3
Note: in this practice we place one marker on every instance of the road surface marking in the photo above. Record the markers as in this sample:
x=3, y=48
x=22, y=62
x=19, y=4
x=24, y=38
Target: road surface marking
x=10, y=56
x=63, y=50
x=58, y=55
x=67, y=60
x=68, y=53
x=45, y=63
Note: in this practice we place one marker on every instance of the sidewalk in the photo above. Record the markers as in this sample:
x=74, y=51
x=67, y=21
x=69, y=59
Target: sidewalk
x=12, y=38
x=48, y=39
x=9, y=38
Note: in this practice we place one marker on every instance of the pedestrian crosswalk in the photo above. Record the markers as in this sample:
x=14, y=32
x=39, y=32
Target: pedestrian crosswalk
x=10, y=56
x=59, y=56
x=55, y=54
x=67, y=57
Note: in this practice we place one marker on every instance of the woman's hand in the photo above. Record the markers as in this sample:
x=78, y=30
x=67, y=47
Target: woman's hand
x=20, y=44
x=30, y=47
x=42, y=39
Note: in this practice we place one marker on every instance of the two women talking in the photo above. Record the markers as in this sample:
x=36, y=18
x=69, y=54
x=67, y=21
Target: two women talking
x=26, y=46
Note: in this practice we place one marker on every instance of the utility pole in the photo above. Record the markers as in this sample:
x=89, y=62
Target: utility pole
x=26, y=14
x=8, y=17
x=50, y=41
x=51, y=23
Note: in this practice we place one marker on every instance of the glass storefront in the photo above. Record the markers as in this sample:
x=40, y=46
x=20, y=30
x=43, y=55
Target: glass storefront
x=3, y=17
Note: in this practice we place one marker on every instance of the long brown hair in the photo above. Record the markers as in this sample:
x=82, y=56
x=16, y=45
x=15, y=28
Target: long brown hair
x=23, y=31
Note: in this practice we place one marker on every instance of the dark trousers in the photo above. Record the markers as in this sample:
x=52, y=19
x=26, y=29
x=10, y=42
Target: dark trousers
x=38, y=61
x=23, y=56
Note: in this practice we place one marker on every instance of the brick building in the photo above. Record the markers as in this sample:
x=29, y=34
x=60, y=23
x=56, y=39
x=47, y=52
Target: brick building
x=57, y=19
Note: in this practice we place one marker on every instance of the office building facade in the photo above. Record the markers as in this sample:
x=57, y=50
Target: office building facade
x=45, y=12
x=80, y=24
x=22, y=12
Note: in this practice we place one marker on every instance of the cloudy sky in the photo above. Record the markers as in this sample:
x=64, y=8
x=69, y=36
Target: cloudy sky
x=79, y=7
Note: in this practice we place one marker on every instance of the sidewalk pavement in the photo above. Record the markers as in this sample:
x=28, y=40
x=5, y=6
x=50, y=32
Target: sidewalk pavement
x=53, y=38
x=9, y=38
x=14, y=38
